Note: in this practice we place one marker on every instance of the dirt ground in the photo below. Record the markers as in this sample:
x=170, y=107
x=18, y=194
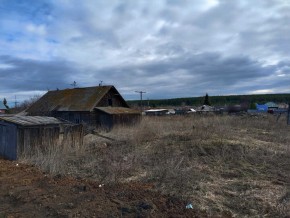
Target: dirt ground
x=25, y=191
x=225, y=166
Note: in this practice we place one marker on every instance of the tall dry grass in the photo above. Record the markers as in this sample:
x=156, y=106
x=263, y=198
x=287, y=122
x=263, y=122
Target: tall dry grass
x=52, y=159
x=237, y=164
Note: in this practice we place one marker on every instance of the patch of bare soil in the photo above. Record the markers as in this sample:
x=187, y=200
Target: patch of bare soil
x=25, y=191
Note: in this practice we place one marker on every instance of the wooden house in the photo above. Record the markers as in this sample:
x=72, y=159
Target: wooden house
x=97, y=106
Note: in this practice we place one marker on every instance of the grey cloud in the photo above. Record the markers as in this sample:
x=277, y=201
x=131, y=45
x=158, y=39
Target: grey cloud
x=169, y=48
x=192, y=75
x=29, y=75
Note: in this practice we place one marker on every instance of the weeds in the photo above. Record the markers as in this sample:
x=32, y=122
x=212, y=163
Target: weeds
x=237, y=164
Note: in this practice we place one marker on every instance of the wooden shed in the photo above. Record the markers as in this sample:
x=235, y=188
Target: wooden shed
x=22, y=133
x=107, y=117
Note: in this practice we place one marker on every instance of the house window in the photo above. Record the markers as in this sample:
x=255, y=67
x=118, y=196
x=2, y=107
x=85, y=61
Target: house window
x=110, y=102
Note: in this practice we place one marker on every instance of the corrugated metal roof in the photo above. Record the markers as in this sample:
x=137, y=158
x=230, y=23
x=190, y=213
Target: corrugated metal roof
x=118, y=110
x=31, y=120
x=78, y=99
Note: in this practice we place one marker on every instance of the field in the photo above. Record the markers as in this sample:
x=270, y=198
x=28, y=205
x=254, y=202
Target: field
x=224, y=166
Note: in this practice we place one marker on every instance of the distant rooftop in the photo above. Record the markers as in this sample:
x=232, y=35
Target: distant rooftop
x=271, y=104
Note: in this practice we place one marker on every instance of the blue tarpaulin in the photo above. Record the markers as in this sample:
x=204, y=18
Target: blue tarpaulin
x=262, y=107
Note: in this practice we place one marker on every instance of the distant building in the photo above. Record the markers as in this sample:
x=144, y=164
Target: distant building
x=98, y=106
x=272, y=105
x=184, y=111
x=205, y=108
x=3, y=108
x=283, y=106
x=262, y=107
x=156, y=112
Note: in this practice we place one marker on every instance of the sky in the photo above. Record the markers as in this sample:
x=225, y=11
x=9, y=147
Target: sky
x=166, y=48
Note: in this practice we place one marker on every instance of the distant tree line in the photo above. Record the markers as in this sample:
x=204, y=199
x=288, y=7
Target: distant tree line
x=218, y=100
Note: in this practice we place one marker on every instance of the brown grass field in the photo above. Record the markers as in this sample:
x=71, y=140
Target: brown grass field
x=235, y=166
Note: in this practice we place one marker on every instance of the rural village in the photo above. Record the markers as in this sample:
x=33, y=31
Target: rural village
x=91, y=139
x=79, y=111
x=167, y=108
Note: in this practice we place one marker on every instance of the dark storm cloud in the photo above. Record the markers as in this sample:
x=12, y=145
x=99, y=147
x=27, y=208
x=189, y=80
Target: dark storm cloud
x=191, y=75
x=26, y=75
x=194, y=75
x=169, y=48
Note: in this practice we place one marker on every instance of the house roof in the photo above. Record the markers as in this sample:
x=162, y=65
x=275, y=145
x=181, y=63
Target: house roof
x=261, y=107
x=2, y=106
x=271, y=104
x=31, y=120
x=77, y=99
x=117, y=110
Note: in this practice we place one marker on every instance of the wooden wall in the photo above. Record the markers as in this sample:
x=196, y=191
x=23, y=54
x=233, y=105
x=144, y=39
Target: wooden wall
x=16, y=140
x=8, y=141
x=108, y=121
x=31, y=139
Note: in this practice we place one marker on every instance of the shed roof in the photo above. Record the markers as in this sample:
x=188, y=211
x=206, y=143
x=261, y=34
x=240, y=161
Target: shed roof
x=117, y=110
x=31, y=120
x=156, y=110
x=77, y=99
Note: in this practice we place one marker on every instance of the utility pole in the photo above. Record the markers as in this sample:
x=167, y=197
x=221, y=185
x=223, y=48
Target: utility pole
x=141, y=98
x=15, y=102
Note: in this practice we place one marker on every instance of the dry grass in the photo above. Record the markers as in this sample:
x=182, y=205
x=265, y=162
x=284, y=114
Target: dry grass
x=237, y=164
x=52, y=159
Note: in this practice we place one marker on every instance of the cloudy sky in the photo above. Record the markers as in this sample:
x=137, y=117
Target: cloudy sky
x=168, y=48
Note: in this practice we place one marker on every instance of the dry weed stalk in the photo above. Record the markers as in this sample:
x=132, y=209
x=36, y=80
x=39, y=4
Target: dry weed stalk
x=220, y=163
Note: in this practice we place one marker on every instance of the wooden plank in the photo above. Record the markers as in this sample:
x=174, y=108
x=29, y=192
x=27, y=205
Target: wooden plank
x=8, y=139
